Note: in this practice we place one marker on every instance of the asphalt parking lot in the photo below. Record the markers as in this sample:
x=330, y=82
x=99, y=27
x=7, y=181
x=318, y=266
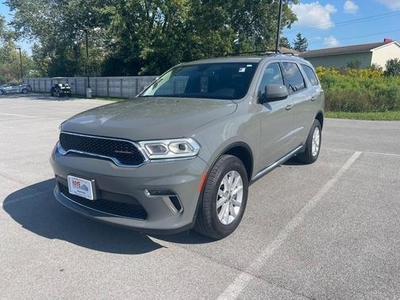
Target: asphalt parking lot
x=330, y=230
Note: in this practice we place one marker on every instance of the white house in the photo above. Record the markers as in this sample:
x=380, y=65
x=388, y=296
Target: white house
x=366, y=54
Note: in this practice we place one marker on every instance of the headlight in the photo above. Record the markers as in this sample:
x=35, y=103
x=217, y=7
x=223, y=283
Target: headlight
x=170, y=149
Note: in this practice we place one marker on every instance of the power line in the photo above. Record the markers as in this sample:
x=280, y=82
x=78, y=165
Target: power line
x=349, y=22
x=368, y=35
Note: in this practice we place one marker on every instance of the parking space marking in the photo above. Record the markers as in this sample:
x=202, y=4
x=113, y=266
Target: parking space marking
x=241, y=281
x=382, y=154
x=365, y=152
x=16, y=115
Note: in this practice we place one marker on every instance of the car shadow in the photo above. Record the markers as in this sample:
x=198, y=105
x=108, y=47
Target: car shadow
x=36, y=209
x=186, y=237
x=293, y=162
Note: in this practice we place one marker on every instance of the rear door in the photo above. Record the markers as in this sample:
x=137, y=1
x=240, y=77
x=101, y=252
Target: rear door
x=309, y=107
x=300, y=101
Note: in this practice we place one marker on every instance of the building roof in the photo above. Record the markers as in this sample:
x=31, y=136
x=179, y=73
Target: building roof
x=345, y=50
x=285, y=50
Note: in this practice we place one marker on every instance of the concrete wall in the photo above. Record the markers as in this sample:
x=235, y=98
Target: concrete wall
x=382, y=54
x=120, y=87
x=341, y=60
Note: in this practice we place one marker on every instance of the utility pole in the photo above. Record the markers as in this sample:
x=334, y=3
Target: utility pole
x=88, y=89
x=20, y=64
x=278, y=30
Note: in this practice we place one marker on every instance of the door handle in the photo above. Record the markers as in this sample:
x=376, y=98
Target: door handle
x=289, y=106
x=313, y=98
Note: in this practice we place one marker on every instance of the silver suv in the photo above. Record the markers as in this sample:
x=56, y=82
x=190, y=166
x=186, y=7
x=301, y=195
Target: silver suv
x=183, y=153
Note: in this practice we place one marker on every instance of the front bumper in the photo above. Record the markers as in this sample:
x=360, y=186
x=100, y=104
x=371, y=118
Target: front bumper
x=157, y=197
x=65, y=91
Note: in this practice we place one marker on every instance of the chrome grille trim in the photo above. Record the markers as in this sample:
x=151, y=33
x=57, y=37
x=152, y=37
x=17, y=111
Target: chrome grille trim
x=115, y=160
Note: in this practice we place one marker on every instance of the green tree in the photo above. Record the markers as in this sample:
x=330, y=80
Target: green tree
x=284, y=42
x=129, y=37
x=60, y=32
x=300, y=43
x=392, y=67
x=9, y=54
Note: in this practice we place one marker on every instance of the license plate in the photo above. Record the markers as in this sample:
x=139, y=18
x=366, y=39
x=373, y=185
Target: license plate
x=80, y=187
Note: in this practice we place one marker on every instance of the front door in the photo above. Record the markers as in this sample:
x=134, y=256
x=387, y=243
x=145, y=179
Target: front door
x=276, y=119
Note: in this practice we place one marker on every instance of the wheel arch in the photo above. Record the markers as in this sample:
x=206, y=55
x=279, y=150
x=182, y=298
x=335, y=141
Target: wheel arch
x=242, y=151
x=320, y=118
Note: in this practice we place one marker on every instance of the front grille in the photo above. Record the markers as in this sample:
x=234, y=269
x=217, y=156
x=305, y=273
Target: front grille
x=130, y=210
x=120, y=151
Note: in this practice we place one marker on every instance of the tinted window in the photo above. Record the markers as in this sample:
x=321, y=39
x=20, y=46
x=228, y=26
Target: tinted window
x=272, y=75
x=213, y=80
x=293, y=79
x=310, y=75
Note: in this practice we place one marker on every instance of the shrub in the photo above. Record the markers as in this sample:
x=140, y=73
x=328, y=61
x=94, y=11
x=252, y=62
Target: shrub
x=359, y=90
x=393, y=67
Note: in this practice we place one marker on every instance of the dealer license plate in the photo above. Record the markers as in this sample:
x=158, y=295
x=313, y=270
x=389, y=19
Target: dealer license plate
x=80, y=187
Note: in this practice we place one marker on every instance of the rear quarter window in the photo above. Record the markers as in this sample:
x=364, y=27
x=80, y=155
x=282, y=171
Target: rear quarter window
x=312, y=77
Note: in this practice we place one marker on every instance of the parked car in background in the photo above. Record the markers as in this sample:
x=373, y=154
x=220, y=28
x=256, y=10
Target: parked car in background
x=184, y=152
x=60, y=87
x=9, y=88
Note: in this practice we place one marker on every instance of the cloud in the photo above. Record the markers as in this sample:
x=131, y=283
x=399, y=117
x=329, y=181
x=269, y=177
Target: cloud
x=350, y=7
x=331, y=42
x=392, y=4
x=314, y=15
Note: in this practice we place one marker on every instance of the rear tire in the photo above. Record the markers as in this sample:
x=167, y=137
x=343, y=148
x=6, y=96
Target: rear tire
x=24, y=91
x=313, y=145
x=224, y=198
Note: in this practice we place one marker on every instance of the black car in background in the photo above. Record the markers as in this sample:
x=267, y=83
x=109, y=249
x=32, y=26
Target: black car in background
x=60, y=87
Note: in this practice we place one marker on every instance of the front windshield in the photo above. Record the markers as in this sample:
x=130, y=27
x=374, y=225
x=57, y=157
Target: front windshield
x=212, y=80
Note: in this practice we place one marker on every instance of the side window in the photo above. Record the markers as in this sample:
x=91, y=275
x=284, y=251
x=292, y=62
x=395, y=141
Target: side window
x=293, y=78
x=310, y=75
x=272, y=75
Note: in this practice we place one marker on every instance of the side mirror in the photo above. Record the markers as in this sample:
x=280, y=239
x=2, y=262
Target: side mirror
x=274, y=92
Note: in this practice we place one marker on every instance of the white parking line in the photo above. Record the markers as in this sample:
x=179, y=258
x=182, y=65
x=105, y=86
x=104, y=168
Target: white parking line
x=16, y=115
x=381, y=153
x=241, y=281
x=364, y=152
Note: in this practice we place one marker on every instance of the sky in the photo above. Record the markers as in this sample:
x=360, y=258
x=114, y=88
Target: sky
x=330, y=23
x=336, y=23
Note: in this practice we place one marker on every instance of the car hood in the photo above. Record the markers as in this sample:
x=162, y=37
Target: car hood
x=149, y=118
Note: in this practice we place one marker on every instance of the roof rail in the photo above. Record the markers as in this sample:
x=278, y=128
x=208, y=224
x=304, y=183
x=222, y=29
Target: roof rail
x=261, y=53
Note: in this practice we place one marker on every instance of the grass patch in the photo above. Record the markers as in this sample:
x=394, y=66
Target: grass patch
x=376, y=116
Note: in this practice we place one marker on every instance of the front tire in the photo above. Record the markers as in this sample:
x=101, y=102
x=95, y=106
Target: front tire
x=224, y=198
x=313, y=145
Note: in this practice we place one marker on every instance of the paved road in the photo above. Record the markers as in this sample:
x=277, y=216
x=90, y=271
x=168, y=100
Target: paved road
x=325, y=231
